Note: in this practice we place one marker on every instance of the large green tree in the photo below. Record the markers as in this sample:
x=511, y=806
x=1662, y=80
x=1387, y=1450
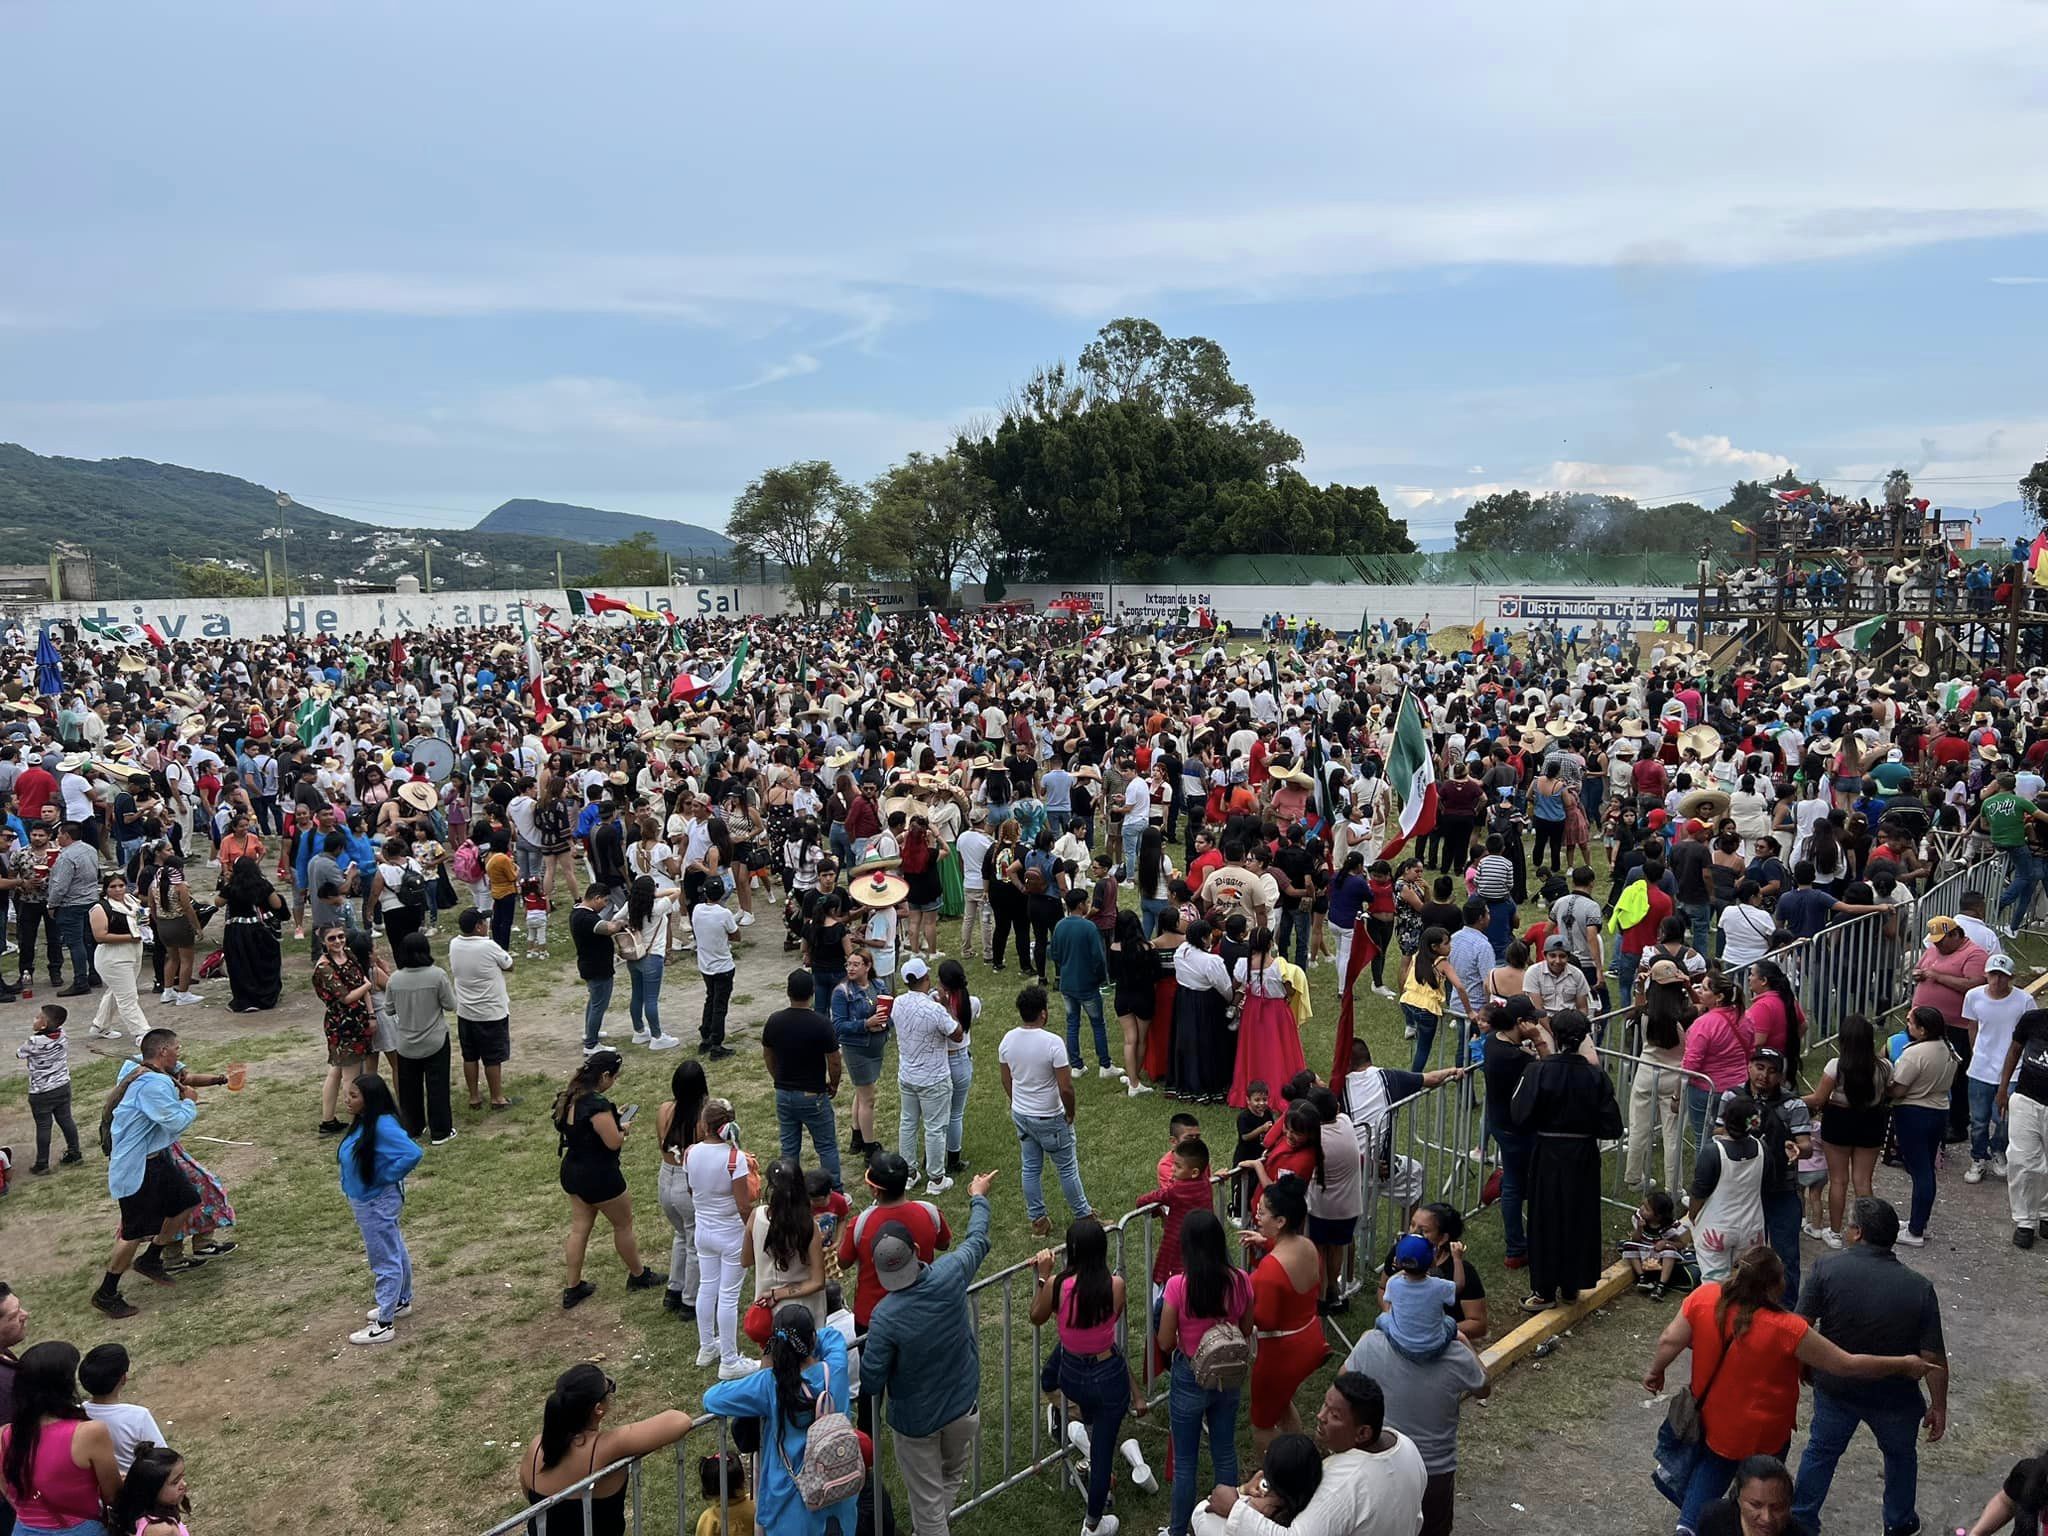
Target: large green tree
x=1582, y=522
x=632, y=562
x=2034, y=492
x=925, y=521
x=797, y=516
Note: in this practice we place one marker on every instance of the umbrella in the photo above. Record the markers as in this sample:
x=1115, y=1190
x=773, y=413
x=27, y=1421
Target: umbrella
x=49, y=679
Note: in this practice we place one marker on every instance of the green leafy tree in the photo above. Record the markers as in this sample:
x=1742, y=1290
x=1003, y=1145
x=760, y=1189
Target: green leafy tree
x=1581, y=522
x=2034, y=492
x=632, y=562
x=924, y=521
x=1749, y=500
x=798, y=516
x=1135, y=360
x=1898, y=488
x=210, y=578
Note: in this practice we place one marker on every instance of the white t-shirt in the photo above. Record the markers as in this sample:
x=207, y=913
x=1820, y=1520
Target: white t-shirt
x=710, y=1168
x=129, y=1424
x=1137, y=799
x=714, y=927
x=1034, y=1056
x=1995, y=1018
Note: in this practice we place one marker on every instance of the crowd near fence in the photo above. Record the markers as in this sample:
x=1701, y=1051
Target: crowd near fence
x=1430, y=1149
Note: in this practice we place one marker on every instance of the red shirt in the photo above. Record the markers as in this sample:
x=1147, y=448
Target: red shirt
x=926, y=1224
x=1179, y=1197
x=33, y=788
x=1255, y=764
x=1640, y=937
x=1948, y=748
x=1754, y=1401
x=1204, y=863
x=1648, y=777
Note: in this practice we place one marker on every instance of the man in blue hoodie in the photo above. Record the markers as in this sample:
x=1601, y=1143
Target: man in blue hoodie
x=153, y=1110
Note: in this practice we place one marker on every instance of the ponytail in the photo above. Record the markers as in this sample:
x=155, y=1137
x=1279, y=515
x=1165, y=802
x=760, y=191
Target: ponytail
x=568, y=1409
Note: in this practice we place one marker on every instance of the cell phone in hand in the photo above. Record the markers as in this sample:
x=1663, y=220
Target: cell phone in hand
x=626, y=1115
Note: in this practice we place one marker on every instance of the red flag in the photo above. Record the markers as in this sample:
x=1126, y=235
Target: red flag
x=156, y=636
x=946, y=628
x=1362, y=951
x=397, y=652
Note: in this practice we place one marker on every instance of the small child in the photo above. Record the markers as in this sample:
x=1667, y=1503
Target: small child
x=1659, y=1244
x=49, y=1086
x=880, y=934
x=1287, y=1480
x=724, y=1477
x=1182, y=1127
x=1187, y=1190
x=829, y=1207
x=1813, y=1186
x=1416, y=1316
x=1252, y=1123
x=103, y=1373
x=536, y=903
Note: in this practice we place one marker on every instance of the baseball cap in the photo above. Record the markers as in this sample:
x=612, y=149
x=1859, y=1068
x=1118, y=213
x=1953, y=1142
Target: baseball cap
x=914, y=969
x=1768, y=1053
x=2002, y=964
x=1695, y=825
x=1555, y=944
x=1658, y=817
x=1942, y=927
x=895, y=1257
x=1411, y=1252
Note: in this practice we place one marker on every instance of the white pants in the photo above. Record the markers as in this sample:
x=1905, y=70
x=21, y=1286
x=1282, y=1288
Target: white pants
x=119, y=965
x=719, y=1246
x=1343, y=955
x=2026, y=1161
x=1655, y=1100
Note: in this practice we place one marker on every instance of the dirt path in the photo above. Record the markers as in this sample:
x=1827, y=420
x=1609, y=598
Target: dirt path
x=1565, y=1444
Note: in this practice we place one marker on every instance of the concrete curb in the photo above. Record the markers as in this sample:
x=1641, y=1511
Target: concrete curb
x=1522, y=1341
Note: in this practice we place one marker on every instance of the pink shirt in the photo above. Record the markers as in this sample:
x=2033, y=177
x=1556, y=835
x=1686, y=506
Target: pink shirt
x=1189, y=1330
x=1966, y=963
x=1083, y=1341
x=1765, y=1023
x=1715, y=1048
x=65, y=1494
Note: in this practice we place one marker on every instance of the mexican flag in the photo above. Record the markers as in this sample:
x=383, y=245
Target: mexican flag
x=1799, y=495
x=536, y=675
x=1857, y=637
x=1413, y=776
x=1955, y=695
x=122, y=632
x=946, y=629
x=687, y=684
x=591, y=605
x=312, y=718
x=872, y=626
x=726, y=680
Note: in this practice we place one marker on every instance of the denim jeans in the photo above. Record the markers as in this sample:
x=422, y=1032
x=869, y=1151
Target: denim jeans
x=390, y=1264
x=1500, y=926
x=1893, y=1411
x=1707, y=1475
x=1101, y=1390
x=797, y=1112
x=645, y=1001
x=1987, y=1125
x=1133, y=829
x=1056, y=821
x=1625, y=967
x=1701, y=915
x=1043, y=1137
x=925, y=1109
x=1514, y=1173
x=74, y=932
x=1782, y=1212
x=1294, y=926
x=961, y=1065
x=1191, y=1408
x=1919, y=1131
x=1424, y=1023
x=1092, y=1005
x=2019, y=892
x=598, y=998
x=1148, y=913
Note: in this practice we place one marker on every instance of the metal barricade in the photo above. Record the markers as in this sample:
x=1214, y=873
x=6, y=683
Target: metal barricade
x=580, y=1494
x=1655, y=1108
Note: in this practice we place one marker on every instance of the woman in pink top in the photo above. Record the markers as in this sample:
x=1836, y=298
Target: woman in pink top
x=1773, y=1017
x=1715, y=1049
x=58, y=1469
x=1088, y=1299
x=1208, y=1290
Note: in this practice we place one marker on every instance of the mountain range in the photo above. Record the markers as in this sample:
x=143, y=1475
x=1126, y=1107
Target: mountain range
x=133, y=515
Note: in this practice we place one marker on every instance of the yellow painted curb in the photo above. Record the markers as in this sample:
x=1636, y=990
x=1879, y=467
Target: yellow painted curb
x=1523, y=1340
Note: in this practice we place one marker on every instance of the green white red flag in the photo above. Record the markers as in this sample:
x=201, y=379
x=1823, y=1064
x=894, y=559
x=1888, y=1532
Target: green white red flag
x=1413, y=776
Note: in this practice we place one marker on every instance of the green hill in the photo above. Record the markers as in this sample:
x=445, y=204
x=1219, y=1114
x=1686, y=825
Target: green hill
x=594, y=525
x=132, y=516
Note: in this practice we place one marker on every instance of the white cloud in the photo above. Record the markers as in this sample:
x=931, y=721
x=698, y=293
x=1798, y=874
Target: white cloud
x=1717, y=450
x=2019, y=282
x=795, y=366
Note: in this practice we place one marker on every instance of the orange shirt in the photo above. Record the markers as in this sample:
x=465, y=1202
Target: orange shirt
x=1755, y=1400
x=233, y=848
x=502, y=870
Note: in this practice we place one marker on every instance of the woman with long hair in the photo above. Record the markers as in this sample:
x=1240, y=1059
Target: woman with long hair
x=1208, y=1290
x=919, y=858
x=828, y=947
x=1134, y=968
x=575, y=1440
x=1006, y=896
x=56, y=1465
x=421, y=999
x=249, y=944
x=650, y=913
x=1268, y=1035
x=675, y=1124
x=786, y=1249
x=806, y=1375
x=1747, y=1350
x=719, y=1174
x=861, y=1026
x=1203, y=1049
x=1087, y=1300
x=175, y=920
x=554, y=831
x=1286, y=1287
x=591, y=1131
x=1155, y=876
x=349, y=1025
x=116, y=924
x=154, y=1500
x=1921, y=1080
x=1655, y=1099
x=1774, y=1017
x=965, y=1008
x=375, y=1156
x=1853, y=1101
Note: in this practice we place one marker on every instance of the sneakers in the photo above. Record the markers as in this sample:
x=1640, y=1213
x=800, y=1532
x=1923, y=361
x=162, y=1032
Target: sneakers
x=442, y=1141
x=1997, y=1166
x=117, y=1305
x=1913, y=1239
x=1107, y=1073
x=1832, y=1238
x=403, y=1309
x=1977, y=1171
x=2023, y=1237
x=331, y=1127
x=577, y=1294
x=99, y=1033
x=1407, y=1031
x=187, y=999
x=1810, y=1229
x=1133, y=1089
x=746, y=919
x=639, y=1035
x=938, y=1186
x=375, y=1333
x=664, y=1043
x=1386, y=992
x=646, y=1280
x=707, y=1354
x=1108, y=1525
x=1141, y=1474
x=1041, y=1226
x=168, y=995
x=735, y=1368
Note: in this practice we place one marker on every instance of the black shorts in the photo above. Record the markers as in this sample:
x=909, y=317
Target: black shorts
x=1859, y=1128
x=1332, y=1231
x=164, y=1193
x=488, y=1041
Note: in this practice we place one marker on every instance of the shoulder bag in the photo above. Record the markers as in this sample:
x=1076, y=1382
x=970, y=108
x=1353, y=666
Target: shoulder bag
x=1682, y=1416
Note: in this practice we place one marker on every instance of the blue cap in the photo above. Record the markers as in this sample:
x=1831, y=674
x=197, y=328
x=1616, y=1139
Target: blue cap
x=1413, y=1252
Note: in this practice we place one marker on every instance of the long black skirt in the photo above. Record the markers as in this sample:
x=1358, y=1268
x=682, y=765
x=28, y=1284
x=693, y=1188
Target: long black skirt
x=255, y=965
x=1204, y=1050
x=1564, y=1215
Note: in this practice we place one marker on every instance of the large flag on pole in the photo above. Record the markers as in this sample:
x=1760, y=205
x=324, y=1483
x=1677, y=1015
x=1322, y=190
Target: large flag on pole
x=1852, y=637
x=872, y=625
x=726, y=680
x=590, y=605
x=536, y=676
x=121, y=631
x=1412, y=776
x=312, y=718
x=1362, y=951
x=946, y=629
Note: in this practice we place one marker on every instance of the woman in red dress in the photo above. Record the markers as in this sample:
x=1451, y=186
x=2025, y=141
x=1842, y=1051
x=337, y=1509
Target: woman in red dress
x=1286, y=1285
x=1268, y=1036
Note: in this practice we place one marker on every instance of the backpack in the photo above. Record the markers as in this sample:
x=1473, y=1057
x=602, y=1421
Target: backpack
x=834, y=1468
x=412, y=890
x=732, y=1168
x=1223, y=1360
x=466, y=866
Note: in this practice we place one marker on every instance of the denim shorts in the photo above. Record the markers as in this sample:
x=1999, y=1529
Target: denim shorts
x=863, y=1059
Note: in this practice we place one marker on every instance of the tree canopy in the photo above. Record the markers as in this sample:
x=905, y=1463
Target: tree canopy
x=2034, y=492
x=798, y=516
x=635, y=561
x=924, y=521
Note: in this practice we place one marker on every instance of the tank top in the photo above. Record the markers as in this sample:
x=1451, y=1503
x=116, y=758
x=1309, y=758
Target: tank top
x=1736, y=1205
x=1082, y=1341
x=60, y=1494
x=607, y=1510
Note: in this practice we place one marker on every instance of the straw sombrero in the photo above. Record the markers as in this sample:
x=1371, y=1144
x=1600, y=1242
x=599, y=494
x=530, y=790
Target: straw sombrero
x=419, y=794
x=874, y=886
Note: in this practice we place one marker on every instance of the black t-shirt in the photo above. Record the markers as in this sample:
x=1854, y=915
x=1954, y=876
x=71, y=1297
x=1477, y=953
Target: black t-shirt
x=801, y=1039
x=608, y=852
x=1502, y=1064
x=596, y=955
x=2031, y=1076
x=1441, y=914
x=1296, y=864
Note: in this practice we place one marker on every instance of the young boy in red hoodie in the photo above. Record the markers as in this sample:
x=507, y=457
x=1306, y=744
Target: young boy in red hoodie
x=1187, y=1190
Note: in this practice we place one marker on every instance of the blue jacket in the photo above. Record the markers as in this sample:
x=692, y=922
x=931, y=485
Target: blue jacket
x=778, y=1507
x=849, y=1023
x=922, y=1352
x=1077, y=951
x=151, y=1115
x=397, y=1155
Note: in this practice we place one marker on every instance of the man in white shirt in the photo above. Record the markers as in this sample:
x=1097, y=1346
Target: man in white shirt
x=924, y=1075
x=1990, y=1014
x=714, y=924
x=483, y=1007
x=974, y=845
x=1373, y=1478
x=1039, y=1083
x=1137, y=817
x=525, y=836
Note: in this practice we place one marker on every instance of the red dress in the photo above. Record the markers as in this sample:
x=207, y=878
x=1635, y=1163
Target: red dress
x=1159, y=1041
x=1291, y=1344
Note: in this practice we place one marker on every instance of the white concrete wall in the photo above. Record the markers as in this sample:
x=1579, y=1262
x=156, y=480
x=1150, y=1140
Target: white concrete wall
x=1342, y=605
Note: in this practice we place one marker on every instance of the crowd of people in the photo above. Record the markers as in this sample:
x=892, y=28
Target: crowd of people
x=1157, y=821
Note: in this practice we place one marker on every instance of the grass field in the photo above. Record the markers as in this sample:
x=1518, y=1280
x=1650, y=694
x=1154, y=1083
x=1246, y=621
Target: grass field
x=289, y=1428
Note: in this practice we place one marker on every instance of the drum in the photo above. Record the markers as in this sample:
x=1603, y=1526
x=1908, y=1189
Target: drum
x=434, y=755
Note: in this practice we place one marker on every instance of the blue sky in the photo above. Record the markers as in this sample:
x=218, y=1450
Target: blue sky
x=407, y=261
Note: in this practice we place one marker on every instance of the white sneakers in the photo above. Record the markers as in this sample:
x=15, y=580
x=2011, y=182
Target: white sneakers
x=376, y=1333
x=1386, y=992
x=1108, y=1525
x=735, y=1368
x=1910, y=1240
x=108, y=1032
x=1106, y=1073
x=707, y=1354
x=1998, y=1169
x=665, y=1043
x=1133, y=1088
x=746, y=919
x=1810, y=1229
x=1831, y=1237
x=187, y=999
x=1976, y=1173
x=939, y=1185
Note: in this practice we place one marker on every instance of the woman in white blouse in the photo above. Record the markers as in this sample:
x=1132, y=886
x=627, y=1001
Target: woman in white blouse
x=1204, y=1052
